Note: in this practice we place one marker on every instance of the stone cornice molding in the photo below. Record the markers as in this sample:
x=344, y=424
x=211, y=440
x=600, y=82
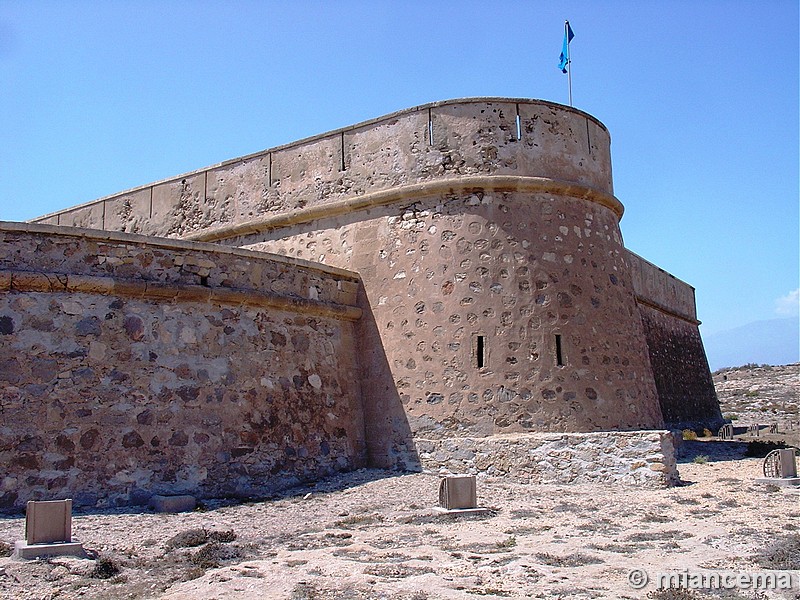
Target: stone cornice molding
x=667, y=311
x=29, y=281
x=466, y=184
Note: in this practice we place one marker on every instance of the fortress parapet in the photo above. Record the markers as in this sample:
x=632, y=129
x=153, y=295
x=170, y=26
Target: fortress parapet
x=484, y=143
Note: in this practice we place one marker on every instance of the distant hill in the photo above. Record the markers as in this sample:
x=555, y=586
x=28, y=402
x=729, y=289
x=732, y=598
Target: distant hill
x=772, y=342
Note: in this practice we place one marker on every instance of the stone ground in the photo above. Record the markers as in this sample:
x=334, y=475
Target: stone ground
x=761, y=395
x=370, y=534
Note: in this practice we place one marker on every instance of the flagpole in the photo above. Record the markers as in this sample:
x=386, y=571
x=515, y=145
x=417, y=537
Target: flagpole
x=569, y=60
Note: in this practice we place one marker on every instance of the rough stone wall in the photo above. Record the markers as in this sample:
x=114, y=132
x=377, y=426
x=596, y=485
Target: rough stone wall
x=680, y=367
x=516, y=269
x=641, y=458
x=489, y=241
x=130, y=367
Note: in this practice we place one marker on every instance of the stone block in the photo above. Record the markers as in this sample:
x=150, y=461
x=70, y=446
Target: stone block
x=89, y=284
x=48, y=531
x=23, y=550
x=788, y=463
x=47, y=522
x=173, y=504
x=458, y=491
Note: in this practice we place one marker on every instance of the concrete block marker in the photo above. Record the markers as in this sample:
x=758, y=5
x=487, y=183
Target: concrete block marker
x=780, y=468
x=458, y=495
x=48, y=531
x=788, y=462
x=173, y=504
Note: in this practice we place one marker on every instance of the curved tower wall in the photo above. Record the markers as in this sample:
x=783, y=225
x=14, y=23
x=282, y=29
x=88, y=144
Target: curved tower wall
x=329, y=173
x=498, y=289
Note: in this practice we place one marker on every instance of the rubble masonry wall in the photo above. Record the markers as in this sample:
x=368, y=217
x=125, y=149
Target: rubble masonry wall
x=638, y=458
x=497, y=295
x=680, y=367
x=130, y=367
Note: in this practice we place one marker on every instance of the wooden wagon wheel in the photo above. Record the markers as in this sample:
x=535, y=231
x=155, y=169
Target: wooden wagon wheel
x=772, y=463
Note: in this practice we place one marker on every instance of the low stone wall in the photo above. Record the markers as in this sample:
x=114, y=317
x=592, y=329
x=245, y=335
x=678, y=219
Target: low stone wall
x=641, y=458
x=131, y=367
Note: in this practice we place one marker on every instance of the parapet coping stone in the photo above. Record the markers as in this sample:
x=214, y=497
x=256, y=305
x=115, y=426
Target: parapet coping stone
x=334, y=132
x=102, y=235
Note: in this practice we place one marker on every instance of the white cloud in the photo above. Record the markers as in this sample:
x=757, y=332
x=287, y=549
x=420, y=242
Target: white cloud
x=788, y=305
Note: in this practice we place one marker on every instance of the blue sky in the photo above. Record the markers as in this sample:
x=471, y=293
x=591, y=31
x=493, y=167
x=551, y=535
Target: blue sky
x=700, y=97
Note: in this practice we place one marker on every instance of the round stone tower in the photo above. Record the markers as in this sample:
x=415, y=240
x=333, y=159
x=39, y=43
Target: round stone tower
x=487, y=237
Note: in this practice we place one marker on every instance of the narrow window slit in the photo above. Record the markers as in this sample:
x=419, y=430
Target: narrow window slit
x=559, y=352
x=430, y=127
x=480, y=351
x=519, y=125
x=588, y=137
x=343, y=167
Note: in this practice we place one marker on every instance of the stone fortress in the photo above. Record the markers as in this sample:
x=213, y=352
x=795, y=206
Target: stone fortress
x=445, y=286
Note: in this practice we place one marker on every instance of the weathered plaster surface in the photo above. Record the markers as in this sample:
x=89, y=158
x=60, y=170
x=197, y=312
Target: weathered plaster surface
x=442, y=140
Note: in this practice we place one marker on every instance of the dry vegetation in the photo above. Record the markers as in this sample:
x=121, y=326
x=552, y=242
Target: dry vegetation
x=370, y=534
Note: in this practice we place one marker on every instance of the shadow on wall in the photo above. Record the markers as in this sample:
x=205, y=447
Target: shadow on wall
x=390, y=444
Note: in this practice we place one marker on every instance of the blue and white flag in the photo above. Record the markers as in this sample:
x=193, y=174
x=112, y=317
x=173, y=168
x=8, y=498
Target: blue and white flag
x=564, y=58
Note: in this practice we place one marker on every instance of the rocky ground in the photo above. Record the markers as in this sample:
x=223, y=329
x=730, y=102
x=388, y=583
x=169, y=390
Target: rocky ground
x=760, y=394
x=373, y=534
